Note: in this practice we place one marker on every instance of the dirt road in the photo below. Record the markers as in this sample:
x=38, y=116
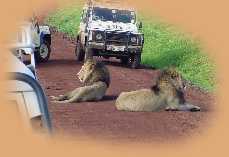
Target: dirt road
x=100, y=120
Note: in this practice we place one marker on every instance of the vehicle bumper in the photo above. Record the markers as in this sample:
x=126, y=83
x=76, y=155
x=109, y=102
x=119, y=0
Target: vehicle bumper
x=114, y=50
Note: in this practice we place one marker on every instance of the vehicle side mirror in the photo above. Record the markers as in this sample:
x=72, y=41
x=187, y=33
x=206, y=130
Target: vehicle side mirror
x=140, y=25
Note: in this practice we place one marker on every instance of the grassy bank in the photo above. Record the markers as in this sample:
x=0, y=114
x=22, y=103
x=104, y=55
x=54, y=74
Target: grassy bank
x=164, y=46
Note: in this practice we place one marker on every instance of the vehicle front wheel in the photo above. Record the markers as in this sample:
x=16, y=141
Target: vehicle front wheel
x=88, y=53
x=135, y=61
x=43, y=53
x=79, y=52
x=124, y=60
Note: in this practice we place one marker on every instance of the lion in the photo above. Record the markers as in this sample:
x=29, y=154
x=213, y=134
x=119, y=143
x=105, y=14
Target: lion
x=96, y=79
x=167, y=94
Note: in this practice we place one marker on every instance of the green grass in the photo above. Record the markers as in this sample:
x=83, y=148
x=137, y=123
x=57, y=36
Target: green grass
x=165, y=46
x=66, y=20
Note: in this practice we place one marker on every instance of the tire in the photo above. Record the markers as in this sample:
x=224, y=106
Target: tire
x=79, y=52
x=124, y=60
x=106, y=57
x=43, y=53
x=135, y=61
x=88, y=53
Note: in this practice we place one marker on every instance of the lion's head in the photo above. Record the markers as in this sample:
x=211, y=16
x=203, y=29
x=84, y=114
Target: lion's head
x=174, y=78
x=93, y=71
x=170, y=79
x=85, y=70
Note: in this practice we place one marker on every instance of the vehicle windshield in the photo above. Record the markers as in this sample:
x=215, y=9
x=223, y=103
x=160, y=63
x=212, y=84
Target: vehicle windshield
x=114, y=15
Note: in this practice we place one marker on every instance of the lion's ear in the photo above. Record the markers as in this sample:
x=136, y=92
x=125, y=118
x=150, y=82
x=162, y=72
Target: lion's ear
x=89, y=61
x=171, y=71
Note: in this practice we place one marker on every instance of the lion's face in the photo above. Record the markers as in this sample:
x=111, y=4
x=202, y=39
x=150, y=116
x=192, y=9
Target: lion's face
x=86, y=70
x=174, y=78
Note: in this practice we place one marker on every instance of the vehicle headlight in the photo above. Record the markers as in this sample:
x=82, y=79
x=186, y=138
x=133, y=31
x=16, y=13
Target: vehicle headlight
x=99, y=36
x=133, y=39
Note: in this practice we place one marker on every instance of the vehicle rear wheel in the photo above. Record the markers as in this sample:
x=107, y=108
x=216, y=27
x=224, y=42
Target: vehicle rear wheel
x=79, y=52
x=43, y=53
x=135, y=61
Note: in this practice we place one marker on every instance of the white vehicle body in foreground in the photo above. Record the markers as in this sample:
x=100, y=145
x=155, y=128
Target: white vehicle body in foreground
x=25, y=91
x=24, y=88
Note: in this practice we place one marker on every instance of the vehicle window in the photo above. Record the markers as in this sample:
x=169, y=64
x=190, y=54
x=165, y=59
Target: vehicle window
x=125, y=16
x=114, y=15
x=103, y=14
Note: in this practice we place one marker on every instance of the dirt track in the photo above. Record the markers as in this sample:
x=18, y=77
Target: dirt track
x=100, y=120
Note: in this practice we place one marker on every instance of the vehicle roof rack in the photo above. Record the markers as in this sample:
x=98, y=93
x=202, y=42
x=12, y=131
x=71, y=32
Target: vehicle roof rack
x=117, y=4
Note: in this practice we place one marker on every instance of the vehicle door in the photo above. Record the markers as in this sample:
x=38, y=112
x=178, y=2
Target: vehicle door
x=28, y=97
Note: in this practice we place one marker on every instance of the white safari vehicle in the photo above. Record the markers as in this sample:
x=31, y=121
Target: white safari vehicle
x=24, y=88
x=110, y=31
x=39, y=36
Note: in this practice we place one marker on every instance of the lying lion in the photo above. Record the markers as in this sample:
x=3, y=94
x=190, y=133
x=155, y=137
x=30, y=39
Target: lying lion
x=96, y=79
x=167, y=95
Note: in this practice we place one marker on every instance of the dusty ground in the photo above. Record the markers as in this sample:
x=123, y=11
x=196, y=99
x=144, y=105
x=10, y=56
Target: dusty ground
x=100, y=120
